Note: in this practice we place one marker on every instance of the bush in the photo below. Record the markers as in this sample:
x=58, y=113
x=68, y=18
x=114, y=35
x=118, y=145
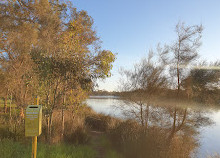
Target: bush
x=133, y=140
x=125, y=138
x=15, y=131
x=6, y=133
x=74, y=128
x=101, y=122
x=78, y=136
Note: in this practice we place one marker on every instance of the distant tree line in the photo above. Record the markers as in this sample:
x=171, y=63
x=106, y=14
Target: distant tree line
x=174, y=72
x=104, y=93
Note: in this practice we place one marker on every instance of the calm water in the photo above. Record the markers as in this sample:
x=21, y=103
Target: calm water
x=209, y=135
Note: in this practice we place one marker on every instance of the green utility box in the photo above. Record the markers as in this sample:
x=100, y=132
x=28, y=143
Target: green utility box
x=33, y=120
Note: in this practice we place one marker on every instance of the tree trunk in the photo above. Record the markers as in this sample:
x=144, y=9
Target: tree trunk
x=174, y=124
x=178, y=81
x=147, y=116
x=50, y=126
x=51, y=112
x=5, y=103
x=63, y=121
x=142, y=119
x=10, y=106
x=15, y=132
x=10, y=109
x=178, y=72
x=183, y=120
x=21, y=112
x=63, y=125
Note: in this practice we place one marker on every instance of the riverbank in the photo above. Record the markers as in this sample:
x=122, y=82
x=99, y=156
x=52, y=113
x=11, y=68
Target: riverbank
x=103, y=136
x=77, y=139
x=195, y=121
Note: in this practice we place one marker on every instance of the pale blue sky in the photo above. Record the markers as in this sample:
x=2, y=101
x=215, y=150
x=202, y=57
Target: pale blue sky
x=132, y=27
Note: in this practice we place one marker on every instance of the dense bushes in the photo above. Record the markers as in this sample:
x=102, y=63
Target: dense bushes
x=78, y=136
x=74, y=128
x=136, y=141
x=6, y=133
x=101, y=122
x=133, y=140
x=12, y=129
x=74, y=131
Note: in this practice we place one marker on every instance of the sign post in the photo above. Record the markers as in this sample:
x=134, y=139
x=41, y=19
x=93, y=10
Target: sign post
x=33, y=124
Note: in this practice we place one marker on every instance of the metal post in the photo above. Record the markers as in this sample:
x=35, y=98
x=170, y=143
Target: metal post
x=34, y=139
x=34, y=147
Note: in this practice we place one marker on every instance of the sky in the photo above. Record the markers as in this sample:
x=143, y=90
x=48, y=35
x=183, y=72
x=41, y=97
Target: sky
x=131, y=28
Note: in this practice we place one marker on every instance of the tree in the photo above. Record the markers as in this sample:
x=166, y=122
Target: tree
x=17, y=38
x=185, y=49
x=203, y=81
x=142, y=84
x=50, y=49
x=3, y=90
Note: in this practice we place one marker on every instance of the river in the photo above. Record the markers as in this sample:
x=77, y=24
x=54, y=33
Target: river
x=208, y=137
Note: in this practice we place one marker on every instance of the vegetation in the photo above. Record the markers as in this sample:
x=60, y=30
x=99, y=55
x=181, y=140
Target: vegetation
x=160, y=138
x=104, y=93
x=9, y=149
x=50, y=50
x=164, y=128
x=173, y=72
x=169, y=73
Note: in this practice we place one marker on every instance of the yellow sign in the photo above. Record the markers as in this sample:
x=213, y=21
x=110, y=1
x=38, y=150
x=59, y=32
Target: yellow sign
x=33, y=120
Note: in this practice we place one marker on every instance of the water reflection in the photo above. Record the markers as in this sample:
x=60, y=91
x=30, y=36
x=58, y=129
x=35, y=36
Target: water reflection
x=186, y=131
x=210, y=136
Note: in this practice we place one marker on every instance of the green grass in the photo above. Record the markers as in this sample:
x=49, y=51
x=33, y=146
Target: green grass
x=113, y=154
x=11, y=149
x=110, y=152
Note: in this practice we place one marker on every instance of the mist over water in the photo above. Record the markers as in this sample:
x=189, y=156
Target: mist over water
x=207, y=121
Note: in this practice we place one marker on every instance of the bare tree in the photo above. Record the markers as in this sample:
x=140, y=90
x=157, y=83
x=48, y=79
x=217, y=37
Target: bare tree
x=185, y=49
x=141, y=84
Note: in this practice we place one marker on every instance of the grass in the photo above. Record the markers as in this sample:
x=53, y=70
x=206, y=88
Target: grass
x=11, y=149
x=110, y=152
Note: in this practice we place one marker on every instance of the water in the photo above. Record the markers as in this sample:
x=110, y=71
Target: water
x=106, y=106
x=209, y=135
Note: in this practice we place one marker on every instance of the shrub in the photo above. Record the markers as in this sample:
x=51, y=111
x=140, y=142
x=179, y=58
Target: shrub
x=6, y=133
x=74, y=128
x=101, y=122
x=78, y=136
x=133, y=140
x=13, y=131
